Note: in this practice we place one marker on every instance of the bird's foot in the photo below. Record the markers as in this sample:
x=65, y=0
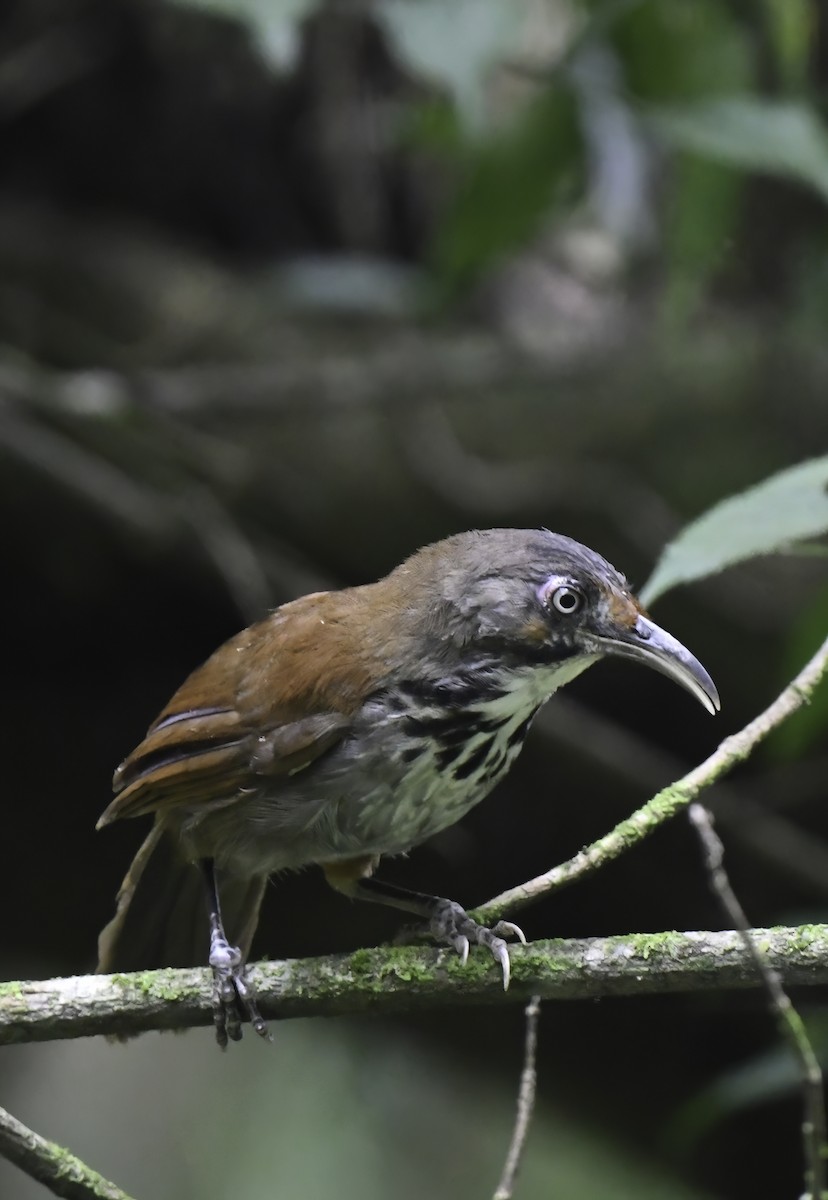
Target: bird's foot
x=233, y=997
x=451, y=924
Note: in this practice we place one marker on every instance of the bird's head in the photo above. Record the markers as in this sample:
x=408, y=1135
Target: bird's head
x=542, y=600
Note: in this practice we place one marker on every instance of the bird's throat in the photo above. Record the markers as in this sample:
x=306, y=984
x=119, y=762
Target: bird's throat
x=525, y=690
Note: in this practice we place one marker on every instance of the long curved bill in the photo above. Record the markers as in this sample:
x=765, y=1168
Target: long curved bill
x=653, y=646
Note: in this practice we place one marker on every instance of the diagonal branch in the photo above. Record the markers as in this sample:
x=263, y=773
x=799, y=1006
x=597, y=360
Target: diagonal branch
x=57, y=1169
x=668, y=801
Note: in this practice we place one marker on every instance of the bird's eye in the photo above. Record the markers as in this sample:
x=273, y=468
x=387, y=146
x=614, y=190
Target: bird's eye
x=567, y=599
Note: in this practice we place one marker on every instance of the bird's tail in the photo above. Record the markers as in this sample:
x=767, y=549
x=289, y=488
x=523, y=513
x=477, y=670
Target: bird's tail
x=161, y=916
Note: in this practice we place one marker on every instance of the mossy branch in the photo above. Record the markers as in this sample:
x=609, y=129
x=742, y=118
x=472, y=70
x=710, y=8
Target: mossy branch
x=62, y=1172
x=405, y=978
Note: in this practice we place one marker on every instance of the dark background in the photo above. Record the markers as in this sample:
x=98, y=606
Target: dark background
x=282, y=299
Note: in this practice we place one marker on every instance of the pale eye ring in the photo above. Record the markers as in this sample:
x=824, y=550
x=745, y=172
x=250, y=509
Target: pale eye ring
x=567, y=599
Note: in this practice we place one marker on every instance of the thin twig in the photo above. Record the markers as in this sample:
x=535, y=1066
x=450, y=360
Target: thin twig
x=631, y=756
x=57, y=1169
x=525, y=1103
x=788, y=1019
x=668, y=801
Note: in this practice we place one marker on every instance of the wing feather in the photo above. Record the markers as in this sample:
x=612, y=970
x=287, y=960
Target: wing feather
x=253, y=710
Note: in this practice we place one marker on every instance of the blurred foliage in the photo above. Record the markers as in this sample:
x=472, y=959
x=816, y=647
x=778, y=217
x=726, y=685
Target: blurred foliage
x=698, y=229
x=511, y=184
x=766, y=1077
x=674, y=52
x=728, y=90
x=697, y=77
x=355, y=1111
x=780, y=138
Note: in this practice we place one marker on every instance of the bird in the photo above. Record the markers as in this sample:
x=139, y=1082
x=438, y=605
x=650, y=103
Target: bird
x=354, y=724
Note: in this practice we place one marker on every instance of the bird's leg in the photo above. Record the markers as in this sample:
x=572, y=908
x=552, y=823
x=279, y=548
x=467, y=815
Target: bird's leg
x=448, y=921
x=232, y=995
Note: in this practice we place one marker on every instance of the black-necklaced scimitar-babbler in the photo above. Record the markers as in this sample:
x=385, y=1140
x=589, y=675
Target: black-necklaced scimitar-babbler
x=352, y=724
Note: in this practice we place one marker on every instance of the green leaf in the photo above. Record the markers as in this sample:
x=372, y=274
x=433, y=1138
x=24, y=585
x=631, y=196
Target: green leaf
x=508, y=187
x=791, y=28
x=675, y=51
x=701, y=217
x=775, y=137
x=786, y=508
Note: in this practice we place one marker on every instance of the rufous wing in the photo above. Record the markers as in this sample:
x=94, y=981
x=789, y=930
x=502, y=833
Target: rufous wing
x=248, y=712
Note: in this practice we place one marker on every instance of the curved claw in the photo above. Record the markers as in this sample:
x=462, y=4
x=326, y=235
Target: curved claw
x=451, y=924
x=501, y=953
x=509, y=929
x=461, y=945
